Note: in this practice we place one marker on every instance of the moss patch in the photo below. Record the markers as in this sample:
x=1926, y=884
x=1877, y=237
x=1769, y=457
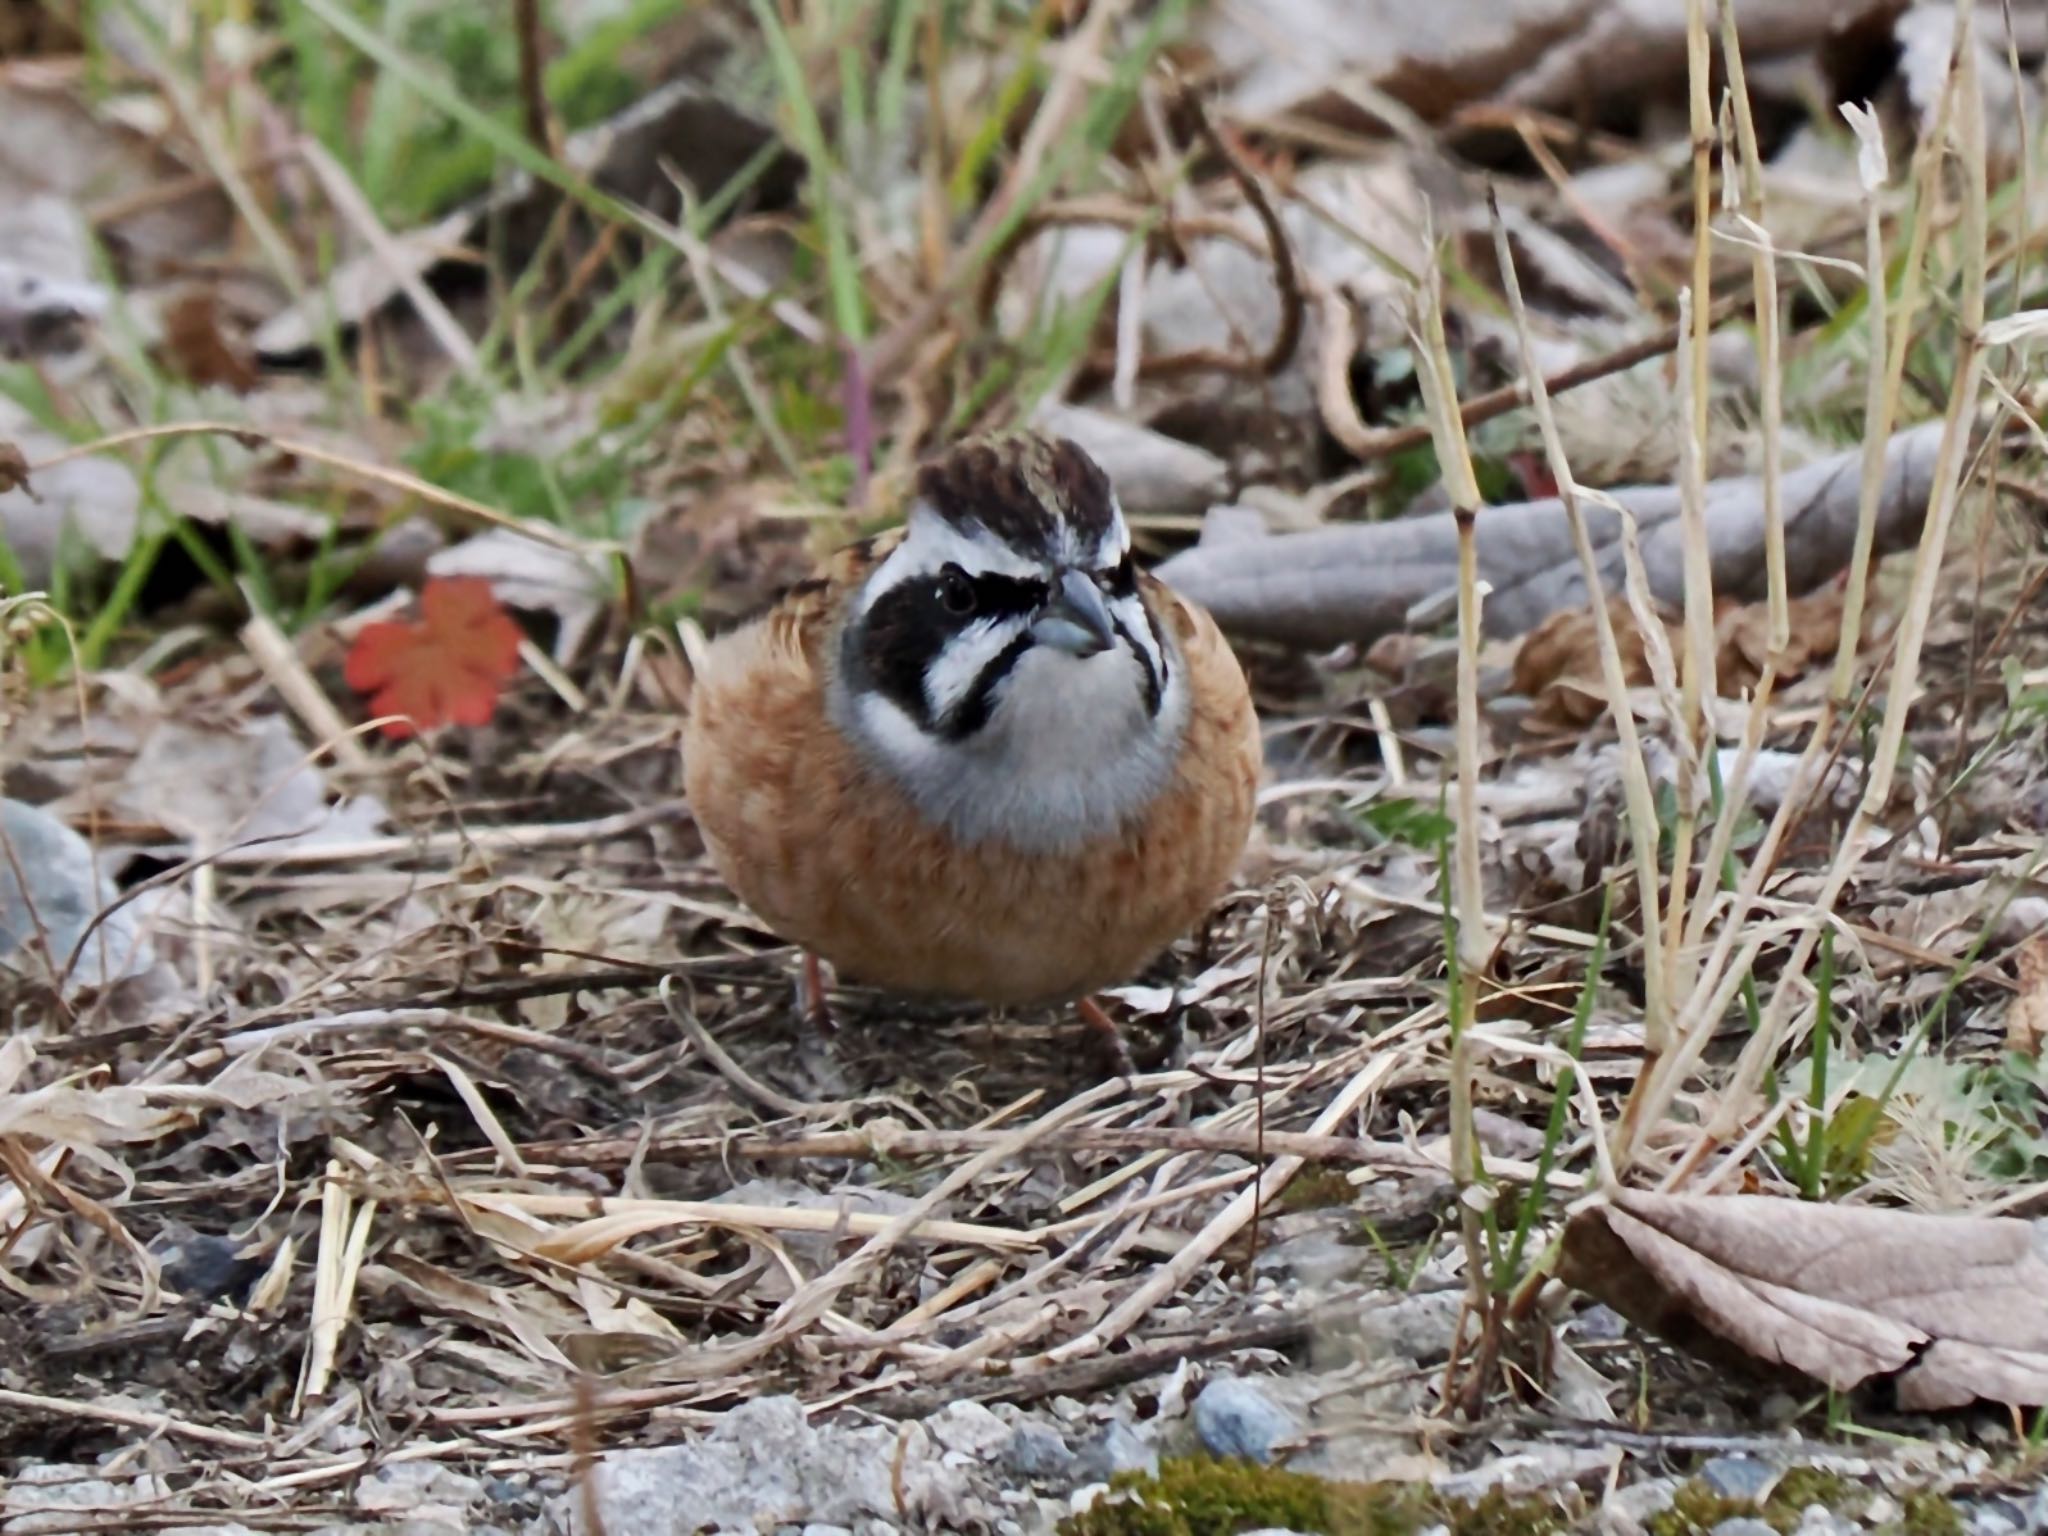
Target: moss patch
x=1200, y=1497
x=1317, y=1189
x=1696, y=1509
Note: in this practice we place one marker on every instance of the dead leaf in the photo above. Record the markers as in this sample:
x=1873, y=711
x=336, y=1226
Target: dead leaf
x=2026, y=1022
x=48, y=300
x=64, y=145
x=1742, y=634
x=197, y=347
x=86, y=506
x=14, y=470
x=1558, y=664
x=445, y=669
x=1950, y=1309
x=213, y=784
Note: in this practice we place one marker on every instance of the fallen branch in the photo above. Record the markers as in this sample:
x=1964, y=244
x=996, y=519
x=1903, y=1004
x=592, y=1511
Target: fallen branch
x=1357, y=582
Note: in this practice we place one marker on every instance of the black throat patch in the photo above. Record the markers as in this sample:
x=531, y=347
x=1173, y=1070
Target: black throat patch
x=893, y=648
x=1024, y=489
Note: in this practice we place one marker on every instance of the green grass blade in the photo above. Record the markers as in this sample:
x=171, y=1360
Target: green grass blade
x=842, y=274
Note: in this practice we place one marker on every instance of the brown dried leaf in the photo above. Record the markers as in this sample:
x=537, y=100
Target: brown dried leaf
x=197, y=346
x=1952, y=1309
x=13, y=468
x=1559, y=664
x=2026, y=1023
x=1742, y=633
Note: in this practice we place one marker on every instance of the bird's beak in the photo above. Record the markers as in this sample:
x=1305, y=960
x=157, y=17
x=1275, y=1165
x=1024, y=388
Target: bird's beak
x=1076, y=621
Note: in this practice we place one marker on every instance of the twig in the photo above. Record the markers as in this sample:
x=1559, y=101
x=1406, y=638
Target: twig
x=1288, y=336
x=280, y=662
x=131, y=1418
x=601, y=1224
x=890, y=1142
x=348, y=201
x=1085, y=1376
x=721, y=1060
x=1467, y=876
x=377, y=1020
x=1174, y=1273
x=518, y=839
x=1512, y=397
x=396, y=479
x=1641, y=802
x=533, y=93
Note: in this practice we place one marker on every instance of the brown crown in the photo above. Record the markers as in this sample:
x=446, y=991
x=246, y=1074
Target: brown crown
x=1021, y=487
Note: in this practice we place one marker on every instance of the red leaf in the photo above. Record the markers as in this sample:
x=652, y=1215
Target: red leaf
x=446, y=668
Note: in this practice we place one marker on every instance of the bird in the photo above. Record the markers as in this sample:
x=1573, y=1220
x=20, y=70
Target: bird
x=981, y=758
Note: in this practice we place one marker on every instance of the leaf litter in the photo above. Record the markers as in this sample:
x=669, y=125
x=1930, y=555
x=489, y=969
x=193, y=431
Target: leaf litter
x=489, y=1103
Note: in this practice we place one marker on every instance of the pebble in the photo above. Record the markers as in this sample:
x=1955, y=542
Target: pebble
x=971, y=1429
x=1234, y=1417
x=1641, y=1502
x=1419, y=1328
x=1817, y=1520
x=1117, y=1448
x=1749, y=1478
x=1994, y=1517
x=1746, y=1525
x=1037, y=1452
x=1599, y=1323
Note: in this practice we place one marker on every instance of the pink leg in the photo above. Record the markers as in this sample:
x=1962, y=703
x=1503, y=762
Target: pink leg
x=810, y=997
x=1105, y=1031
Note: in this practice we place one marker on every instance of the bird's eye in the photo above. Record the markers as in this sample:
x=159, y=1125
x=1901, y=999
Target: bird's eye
x=956, y=592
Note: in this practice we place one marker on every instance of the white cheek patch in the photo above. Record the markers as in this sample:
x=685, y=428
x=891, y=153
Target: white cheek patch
x=1130, y=613
x=901, y=741
x=930, y=544
x=959, y=665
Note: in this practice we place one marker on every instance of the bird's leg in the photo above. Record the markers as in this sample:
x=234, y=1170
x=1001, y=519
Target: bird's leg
x=1103, y=1027
x=811, y=1001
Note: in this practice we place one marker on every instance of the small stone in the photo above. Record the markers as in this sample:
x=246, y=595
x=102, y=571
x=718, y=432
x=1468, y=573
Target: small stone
x=1746, y=1525
x=1235, y=1418
x=1642, y=1502
x=1038, y=1452
x=1598, y=1324
x=1419, y=1328
x=205, y=1266
x=828, y=1530
x=1748, y=1478
x=971, y=1429
x=423, y=1489
x=1116, y=1448
x=1313, y=1258
x=52, y=890
x=42, y=1492
x=1818, y=1520
x=1994, y=1517
x=1780, y=1408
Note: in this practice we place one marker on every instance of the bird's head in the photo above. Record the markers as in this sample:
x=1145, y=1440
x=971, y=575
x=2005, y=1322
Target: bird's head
x=1003, y=663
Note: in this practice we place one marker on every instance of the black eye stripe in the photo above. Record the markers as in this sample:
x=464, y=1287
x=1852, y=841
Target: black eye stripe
x=1121, y=580
x=1005, y=595
x=894, y=646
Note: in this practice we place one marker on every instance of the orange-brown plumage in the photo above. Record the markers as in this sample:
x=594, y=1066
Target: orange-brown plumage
x=817, y=838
